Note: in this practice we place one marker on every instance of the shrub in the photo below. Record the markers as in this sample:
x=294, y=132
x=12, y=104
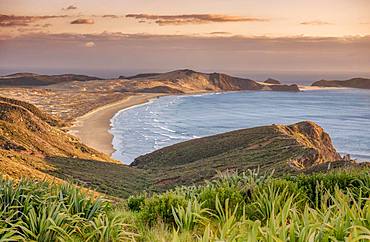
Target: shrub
x=159, y=207
x=134, y=203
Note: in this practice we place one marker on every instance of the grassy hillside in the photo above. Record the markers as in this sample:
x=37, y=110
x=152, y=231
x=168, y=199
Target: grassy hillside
x=284, y=149
x=31, y=147
x=245, y=207
x=189, y=81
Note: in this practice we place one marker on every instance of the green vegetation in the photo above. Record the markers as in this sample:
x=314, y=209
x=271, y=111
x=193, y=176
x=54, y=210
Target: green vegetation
x=37, y=211
x=232, y=207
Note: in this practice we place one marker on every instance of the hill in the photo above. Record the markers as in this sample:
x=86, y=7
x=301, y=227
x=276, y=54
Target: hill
x=272, y=81
x=32, y=79
x=189, y=81
x=285, y=149
x=363, y=83
x=32, y=146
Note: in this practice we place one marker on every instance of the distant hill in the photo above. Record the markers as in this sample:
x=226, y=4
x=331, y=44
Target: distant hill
x=32, y=79
x=285, y=149
x=174, y=82
x=188, y=81
x=363, y=83
x=272, y=81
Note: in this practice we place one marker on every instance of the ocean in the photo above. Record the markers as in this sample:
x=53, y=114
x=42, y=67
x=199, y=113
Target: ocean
x=343, y=113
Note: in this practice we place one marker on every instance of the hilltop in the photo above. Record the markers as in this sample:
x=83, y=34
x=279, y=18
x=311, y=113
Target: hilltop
x=363, y=83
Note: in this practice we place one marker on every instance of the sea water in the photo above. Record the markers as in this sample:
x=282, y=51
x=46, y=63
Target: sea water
x=343, y=113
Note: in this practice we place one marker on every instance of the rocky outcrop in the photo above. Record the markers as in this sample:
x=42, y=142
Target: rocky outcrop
x=284, y=88
x=318, y=144
x=363, y=83
x=272, y=81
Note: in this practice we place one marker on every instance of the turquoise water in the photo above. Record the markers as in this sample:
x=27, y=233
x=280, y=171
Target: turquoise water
x=344, y=114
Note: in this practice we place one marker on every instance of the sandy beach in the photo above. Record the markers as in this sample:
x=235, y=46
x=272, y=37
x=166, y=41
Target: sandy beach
x=314, y=88
x=93, y=128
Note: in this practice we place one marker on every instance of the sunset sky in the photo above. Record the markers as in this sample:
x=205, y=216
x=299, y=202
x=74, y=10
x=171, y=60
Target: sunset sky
x=147, y=35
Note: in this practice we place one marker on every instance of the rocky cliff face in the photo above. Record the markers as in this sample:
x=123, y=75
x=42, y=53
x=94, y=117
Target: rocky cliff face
x=318, y=144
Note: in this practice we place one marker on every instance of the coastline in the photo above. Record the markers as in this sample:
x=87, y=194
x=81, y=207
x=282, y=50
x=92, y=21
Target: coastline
x=93, y=127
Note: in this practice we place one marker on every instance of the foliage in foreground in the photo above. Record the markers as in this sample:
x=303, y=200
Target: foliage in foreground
x=233, y=207
x=37, y=211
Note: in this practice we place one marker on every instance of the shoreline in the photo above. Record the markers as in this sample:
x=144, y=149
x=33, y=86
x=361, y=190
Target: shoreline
x=93, y=127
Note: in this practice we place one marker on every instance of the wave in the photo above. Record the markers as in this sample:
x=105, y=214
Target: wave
x=167, y=129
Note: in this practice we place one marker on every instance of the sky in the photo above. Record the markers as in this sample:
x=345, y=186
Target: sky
x=208, y=35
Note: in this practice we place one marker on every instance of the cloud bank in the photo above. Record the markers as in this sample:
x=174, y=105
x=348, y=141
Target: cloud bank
x=192, y=18
x=21, y=21
x=316, y=22
x=70, y=7
x=156, y=52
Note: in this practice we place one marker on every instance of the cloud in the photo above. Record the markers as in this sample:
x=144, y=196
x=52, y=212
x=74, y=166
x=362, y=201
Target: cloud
x=70, y=7
x=316, y=22
x=83, y=21
x=231, y=42
x=22, y=21
x=28, y=29
x=89, y=44
x=110, y=16
x=208, y=52
x=43, y=25
x=192, y=18
x=220, y=33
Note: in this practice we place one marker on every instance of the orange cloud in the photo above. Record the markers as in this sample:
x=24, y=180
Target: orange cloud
x=21, y=21
x=110, y=16
x=316, y=22
x=193, y=18
x=83, y=21
x=70, y=7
